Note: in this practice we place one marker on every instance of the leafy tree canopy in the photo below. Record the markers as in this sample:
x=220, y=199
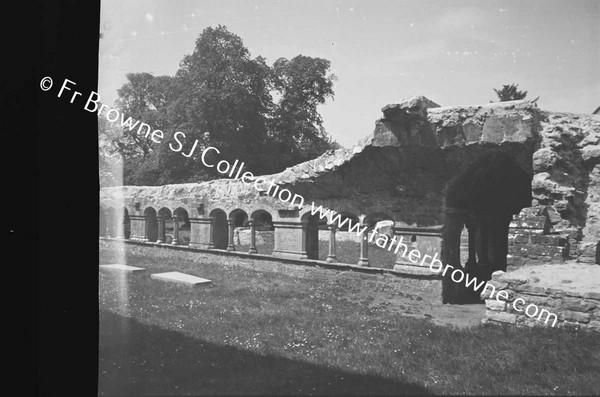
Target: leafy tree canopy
x=264, y=115
x=510, y=92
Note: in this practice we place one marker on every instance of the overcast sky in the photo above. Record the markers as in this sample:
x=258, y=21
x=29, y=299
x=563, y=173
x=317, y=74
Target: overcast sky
x=453, y=52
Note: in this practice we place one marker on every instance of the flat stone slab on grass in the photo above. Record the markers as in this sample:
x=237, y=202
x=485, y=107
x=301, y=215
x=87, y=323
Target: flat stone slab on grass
x=122, y=267
x=178, y=277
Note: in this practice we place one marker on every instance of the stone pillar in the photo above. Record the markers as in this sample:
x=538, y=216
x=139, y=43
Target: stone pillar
x=453, y=225
x=332, y=257
x=161, y=229
x=289, y=240
x=201, y=233
x=175, y=230
x=252, y=249
x=231, y=224
x=364, y=247
x=138, y=228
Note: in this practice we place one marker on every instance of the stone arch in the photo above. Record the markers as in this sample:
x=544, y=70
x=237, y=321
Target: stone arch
x=265, y=231
x=310, y=235
x=483, y=198
x=183, y=226
x=263, y=220
x=379, y=254
x=239, y=224
x=220, y=229
x=165, y=225
x=347, y=242
x=373, y=218
x=239, y=217
x=151, y=232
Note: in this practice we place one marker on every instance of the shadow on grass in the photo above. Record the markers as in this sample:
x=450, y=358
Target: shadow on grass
x=139, y=359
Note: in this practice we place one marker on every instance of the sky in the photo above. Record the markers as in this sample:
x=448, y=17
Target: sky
x=452, y=52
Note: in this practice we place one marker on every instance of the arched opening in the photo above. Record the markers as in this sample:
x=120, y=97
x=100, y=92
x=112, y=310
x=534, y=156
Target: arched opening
x=347, y=242
x=241, y=229
x=183, y=226
x=102, y=231
x=111, y=222
x=151, y=224
x=126, y=224
x=310, y=235
x=165, y=226
x=483, y=200
x=220, y=232
x=379, y=254
x=263, y=226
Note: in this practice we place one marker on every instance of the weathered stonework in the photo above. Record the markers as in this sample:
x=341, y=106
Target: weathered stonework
x=499, y=186
x=576, y=303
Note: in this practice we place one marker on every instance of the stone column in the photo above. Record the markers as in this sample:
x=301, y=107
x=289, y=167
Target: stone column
x=332, y=257
x=161, y=229
x=364, y=247
x=175, y=230
x=211, y=235
x=138, y=227
x=201, y=233
x=231, y=224
x=252, y=249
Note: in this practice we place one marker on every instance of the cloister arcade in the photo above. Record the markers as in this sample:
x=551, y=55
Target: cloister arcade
x=260, y=231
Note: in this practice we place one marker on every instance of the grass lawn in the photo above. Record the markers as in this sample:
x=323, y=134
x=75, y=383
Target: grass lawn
x=254, y=332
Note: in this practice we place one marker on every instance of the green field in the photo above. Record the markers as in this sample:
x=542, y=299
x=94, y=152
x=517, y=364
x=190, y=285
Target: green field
x=258, y=332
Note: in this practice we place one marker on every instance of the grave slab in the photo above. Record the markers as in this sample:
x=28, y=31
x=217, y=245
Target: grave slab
x=122, y=267
x=182, y=278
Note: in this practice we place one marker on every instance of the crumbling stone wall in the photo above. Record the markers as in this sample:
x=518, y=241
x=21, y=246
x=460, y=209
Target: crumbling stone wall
x=403, y=172
x=568, y=291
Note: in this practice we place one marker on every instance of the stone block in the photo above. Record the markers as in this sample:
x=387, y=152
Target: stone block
x=501, y=317
x=181, y=278
x=593, y=325
x=124, y=268
x=578, y=305
x=568, y=315
x=592, y=295
x=493, y=304
x=530, y=289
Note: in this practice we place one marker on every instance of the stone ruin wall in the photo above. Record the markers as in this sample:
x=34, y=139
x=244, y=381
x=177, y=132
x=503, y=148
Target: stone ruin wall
x=402, y=170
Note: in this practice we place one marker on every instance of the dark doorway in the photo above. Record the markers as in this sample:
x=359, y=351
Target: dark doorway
x=482, y=200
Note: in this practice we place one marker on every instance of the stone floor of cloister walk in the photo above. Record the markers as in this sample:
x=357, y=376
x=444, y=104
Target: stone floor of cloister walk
x=491, y=187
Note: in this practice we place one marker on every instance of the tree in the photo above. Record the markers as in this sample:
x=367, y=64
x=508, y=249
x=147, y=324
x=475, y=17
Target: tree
x=219, y=88
x=297, y=127
x=510, y=92
x=225, y=92
x=145, y=98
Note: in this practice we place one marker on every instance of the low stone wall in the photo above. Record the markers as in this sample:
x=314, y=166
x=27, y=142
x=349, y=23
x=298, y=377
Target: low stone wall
x=576, y=304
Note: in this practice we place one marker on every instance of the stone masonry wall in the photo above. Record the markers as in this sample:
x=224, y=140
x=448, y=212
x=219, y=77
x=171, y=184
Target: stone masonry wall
x=575, y=304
